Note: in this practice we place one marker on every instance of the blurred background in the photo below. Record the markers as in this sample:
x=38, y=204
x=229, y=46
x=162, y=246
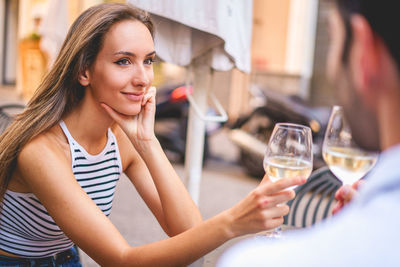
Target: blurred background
x=289, y=43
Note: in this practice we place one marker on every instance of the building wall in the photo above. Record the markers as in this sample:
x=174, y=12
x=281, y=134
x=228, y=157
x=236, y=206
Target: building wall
x=269, y=48
x=2, y=15
x=8, y=41
x=10, y=57
x=28, y=11
x=270, y=22
x=283, y=45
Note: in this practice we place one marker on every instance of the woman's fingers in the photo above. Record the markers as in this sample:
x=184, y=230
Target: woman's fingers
x=277, y=211
x=265, y=180
x=127, y=124
x=272, y=217
x=278, y=198
x=269, y=188
x=273, y=223
x=149, y=96
x=264, y=207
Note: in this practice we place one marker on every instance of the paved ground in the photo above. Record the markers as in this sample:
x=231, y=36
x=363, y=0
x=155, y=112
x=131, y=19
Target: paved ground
x=223, y=184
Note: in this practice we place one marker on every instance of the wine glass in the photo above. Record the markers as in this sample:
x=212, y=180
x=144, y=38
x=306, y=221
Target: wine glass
x=345, y=159
x=289, y=154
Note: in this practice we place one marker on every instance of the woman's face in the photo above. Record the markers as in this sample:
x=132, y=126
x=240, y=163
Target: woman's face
x=123, y=70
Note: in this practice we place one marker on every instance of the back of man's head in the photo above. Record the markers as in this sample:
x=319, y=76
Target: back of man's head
x=382, y=15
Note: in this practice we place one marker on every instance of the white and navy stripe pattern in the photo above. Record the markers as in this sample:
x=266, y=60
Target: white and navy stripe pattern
x=26, y=228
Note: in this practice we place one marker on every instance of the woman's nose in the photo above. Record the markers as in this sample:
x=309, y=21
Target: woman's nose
x=141, y=77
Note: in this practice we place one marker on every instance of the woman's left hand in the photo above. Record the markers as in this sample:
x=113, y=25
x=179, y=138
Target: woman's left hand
x=141, y=126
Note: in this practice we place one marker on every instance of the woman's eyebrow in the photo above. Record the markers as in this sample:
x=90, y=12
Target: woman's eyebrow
x=126, y=53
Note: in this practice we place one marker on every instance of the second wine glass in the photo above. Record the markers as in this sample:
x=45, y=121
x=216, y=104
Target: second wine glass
x=345, y=159
x=289, y=154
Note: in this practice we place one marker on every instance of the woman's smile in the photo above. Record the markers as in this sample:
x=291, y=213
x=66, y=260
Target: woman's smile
x=133, y=96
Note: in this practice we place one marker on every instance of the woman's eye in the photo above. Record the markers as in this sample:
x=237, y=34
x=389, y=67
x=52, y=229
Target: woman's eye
x=123, y=61
x=149, y=61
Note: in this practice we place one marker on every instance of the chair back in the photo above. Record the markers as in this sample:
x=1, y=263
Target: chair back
x=7, y=114
x=314, y=200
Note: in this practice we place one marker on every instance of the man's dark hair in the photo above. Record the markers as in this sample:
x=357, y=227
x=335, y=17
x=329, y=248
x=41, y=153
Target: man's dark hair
x=382, y=15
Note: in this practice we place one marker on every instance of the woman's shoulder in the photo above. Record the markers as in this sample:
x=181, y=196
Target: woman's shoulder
x=44, y=156
x=50, y=143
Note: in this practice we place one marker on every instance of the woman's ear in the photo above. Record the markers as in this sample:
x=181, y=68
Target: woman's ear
x=84, y=77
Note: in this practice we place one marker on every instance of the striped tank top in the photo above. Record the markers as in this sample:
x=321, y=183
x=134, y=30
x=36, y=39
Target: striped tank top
x=26, y=228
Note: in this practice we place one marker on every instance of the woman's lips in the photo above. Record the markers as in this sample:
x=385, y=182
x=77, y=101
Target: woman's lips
x=133, y=96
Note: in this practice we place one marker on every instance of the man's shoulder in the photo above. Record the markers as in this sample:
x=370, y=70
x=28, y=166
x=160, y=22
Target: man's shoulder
x=344, y=239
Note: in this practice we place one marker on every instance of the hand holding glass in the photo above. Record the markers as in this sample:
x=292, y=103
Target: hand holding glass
x=345, y=159
x=289, y=153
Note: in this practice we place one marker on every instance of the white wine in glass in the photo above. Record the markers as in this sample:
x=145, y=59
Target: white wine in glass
x=345, y=159
x=289, y=154
x=280, y=167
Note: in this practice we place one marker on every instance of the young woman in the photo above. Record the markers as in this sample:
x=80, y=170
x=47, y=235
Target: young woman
x=90, y=120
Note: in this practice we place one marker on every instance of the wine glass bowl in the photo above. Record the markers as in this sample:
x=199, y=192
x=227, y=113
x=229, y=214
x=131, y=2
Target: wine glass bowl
x=344, y=158
x=289, y=152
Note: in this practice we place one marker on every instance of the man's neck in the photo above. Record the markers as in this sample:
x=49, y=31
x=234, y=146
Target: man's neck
x=389, y=119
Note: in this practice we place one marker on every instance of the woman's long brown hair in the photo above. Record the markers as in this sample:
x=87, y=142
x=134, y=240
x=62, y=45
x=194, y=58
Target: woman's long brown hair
x=60, y=91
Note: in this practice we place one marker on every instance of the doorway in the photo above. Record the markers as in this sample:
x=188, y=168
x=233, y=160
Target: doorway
x=8, y=41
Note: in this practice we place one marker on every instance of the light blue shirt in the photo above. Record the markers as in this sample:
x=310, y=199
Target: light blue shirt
x=365, y=233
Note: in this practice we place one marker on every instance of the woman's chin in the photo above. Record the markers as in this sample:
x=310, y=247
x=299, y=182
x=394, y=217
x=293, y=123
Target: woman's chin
x=130, y=112
x=127, y=110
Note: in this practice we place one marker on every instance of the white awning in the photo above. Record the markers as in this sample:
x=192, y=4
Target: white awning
x=218, y=29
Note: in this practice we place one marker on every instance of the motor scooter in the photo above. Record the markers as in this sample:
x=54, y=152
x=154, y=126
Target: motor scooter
x=251, y=131
x=171, y=118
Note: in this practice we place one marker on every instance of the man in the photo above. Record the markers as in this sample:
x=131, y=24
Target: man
x=364, y=65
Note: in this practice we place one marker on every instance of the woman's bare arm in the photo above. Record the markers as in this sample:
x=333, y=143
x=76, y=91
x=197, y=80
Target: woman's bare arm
x=160, y=188
x=49, y=176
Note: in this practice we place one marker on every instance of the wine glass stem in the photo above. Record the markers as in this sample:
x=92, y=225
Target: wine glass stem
x=277, y=233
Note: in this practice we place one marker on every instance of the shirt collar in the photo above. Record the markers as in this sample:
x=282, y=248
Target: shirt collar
x=386, y=173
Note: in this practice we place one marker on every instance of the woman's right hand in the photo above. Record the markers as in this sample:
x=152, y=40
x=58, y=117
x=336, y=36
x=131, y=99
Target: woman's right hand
x=264, y=207
x=139, y=128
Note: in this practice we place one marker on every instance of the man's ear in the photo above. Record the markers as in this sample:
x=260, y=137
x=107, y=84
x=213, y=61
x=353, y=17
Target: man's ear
x=84, y=77
x=365, y=54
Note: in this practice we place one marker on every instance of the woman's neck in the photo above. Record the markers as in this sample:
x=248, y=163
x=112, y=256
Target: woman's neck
x=88, y=124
